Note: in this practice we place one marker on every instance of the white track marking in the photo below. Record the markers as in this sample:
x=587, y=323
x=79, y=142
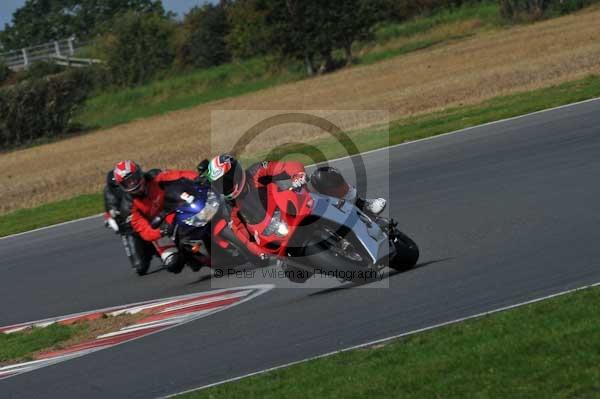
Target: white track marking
x=176, y=319
x=138, y=309
x=383, y=340
x=361, y=154
x=157, y=323
x=251, y=291
x=130, y=308
x=465, y=129
x=52, y=226
x=207, y=301
x=145, y=327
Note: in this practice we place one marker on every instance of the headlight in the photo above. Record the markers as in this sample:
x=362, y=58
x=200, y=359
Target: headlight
x=210, y=209
x=277, y=226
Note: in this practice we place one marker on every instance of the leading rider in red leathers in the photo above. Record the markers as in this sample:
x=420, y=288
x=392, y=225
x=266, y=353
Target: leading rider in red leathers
x=246, y=190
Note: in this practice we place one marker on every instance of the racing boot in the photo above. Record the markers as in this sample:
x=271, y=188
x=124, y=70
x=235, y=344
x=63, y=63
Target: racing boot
x=372, y=206
x=172, y=260
x=329, y=181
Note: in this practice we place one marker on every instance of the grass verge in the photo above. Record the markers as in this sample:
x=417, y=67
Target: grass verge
x=549, y=349
x=182, y=91
x=403, y=130
x=488, y=12
x=443, y=26
x=51, y=213
x=433, y=124
x=28, y=344
x=22, y=345
x=187, y=89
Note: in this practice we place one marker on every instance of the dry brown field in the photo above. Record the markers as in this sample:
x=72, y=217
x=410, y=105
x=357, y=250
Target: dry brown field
x=468, y=71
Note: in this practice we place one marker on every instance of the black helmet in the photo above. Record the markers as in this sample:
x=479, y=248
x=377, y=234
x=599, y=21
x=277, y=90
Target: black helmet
x=329, y=181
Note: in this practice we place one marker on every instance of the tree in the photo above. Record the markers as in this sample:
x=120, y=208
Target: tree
x=37, y=108
x=282, y=27
x=4, y=72
x=401, y=10
x=249, y=33
x=351, y=20
x=40, y=21
x=137, y=47
x=302, y=29
x=36, y=22
x=204, y=31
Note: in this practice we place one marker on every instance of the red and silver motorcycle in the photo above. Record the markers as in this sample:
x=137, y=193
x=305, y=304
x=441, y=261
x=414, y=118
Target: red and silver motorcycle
x=315, y=233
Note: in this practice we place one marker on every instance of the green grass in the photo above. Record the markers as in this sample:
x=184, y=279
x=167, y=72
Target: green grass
x=189, y=88
x=21, y=345
x=433, y=124
x=400, y=131
x=545, y=350
x=181, y=91
x=376, y=56
x=51, y=213
x=487, y=12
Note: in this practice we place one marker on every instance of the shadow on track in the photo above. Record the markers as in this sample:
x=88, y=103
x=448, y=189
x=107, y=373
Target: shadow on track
x=227, y=270
x=159, y=269
x=201, y=279
x=390, y=273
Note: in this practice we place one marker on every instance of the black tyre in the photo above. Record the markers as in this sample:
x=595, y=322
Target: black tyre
x=407, y=252
x=325, y=260
x=296, y=274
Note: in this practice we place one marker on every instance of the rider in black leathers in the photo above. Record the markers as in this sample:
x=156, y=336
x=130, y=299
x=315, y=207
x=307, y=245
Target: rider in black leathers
x=117, y=205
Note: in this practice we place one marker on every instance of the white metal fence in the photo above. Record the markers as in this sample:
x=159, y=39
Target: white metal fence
x=60, y=51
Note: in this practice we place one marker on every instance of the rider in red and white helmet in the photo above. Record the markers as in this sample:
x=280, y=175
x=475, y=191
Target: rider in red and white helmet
x=129, y=177
x=117, y=216
x=148, y=194
x=245, y=189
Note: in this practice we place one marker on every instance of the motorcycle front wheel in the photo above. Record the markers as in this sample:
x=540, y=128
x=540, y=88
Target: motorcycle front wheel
x=339, y=258
x=407, y=252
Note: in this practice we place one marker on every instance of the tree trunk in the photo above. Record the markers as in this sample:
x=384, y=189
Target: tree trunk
x=537, y=9
x=327, y=64
x=348, y=53
x=309, y=63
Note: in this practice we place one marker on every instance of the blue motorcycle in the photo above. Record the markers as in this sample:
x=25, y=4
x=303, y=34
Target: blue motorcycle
x=195, y=207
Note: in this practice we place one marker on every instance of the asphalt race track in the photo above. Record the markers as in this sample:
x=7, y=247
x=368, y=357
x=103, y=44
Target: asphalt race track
x=503, y=213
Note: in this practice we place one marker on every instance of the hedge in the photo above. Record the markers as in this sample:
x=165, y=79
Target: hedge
x=4, y=71
x=41, y=107
x=523, y=10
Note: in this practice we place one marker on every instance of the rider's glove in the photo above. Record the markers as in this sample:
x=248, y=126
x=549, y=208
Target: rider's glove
x=166, y=229
x=202, y=169
x=111, y=223
x=299, y=180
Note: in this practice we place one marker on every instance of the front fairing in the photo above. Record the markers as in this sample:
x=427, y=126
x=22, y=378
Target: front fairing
x=293, y=207
x=187, y=209
x=344, y=213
